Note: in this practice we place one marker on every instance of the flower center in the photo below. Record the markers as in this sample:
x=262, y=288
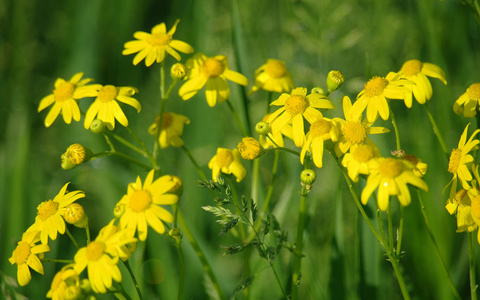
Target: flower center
x=107, y=93
x=412, y=67
x=47, y=209
x=390, y=167
x=212, y=67
x=296, y=104
x=363, y=153
x=64, y=91
x=474, y=91
x=140, y=201
x=167, y=120
x=159, y=39
x=275, y=68
x=354, y=132
x=224, y=159
x=476, y=207
x=95, y=250
x=21, y=253
x=320, y=127
x=454, y=160
x=375, y=86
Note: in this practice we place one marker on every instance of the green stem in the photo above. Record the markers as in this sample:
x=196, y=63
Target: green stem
x=124, y=156
x=235, y=115
x=238, y=208
x=61, y=261
x=87, y=232
x=400, y=231
x=390, y=227
x=145, y=150
x=436, y=131
x=395, y=127
x=71, y=237
x=398, y=273
x=181, y=261
x=194, y=161
x=127, y=143
x=122, y=292
x=302, y=212
x=130, y=271
x=471, y=252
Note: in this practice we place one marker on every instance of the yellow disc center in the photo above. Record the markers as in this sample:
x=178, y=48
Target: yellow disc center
x=275, y=68
x=47, y=209
x=64, y=91
x=296, y=104
x=363, y=153
x=412, y=67
x=390, y=167
x=375, y=86
x=140, y=201
x=107, y=93
x=167, y=120
x=21, y=253
x=454, y=160
x=474, y=91
x=212, y=67
x=354, y=132
x=320, y=127
x=95, y=250
x=159, y=39
x=224, y=159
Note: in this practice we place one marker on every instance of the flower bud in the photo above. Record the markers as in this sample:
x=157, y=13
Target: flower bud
x=178, y=71
x=86, y=286
x=66, y=165
x=77, y=154
x=308, y=176
x=119, y=210
x=262, y=128
x=177, y=189
x=335, y=79
x=97, y=126
x=75, y=214
x=72, y=292
x=317, y=90
x=250, y=148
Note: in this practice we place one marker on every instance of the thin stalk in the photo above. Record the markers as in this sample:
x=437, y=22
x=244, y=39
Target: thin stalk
x=71, y=237
x=142, y=144
x=395, y=128
x=124, y=156
x=181, y=261
x=390, y=227
x=61, y=261
x=130, y=271
x=471, y=252
x=194, y=161
x=127, y=143
x=87, y=232
x=302, y=211
x=237, y=208
x=436, y=131
x=398, y=273
x=121, y=292
x=400, y=231
x=235, y=115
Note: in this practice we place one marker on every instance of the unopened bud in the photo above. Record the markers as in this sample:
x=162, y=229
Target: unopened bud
x=66, y=165
x=308, y=176
x=250, y=148
x=177, y=189
x=178, y=71
x=317, y=90
x=335, y=79
x=77, y=154
x=97, y=126
x=262, y=128
x=119, y=210
x=75, y=214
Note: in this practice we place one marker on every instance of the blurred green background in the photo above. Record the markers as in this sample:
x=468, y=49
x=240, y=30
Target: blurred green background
x=43, y=40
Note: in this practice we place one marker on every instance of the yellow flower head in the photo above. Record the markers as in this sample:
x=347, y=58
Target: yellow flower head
x=27, y=255
x=77, y=154
x=417, y=72
x=124, y=251
x=474, y=195
x=172, y=129
x=75, y=214
x=467, y=102
x=250, y=148
x=142, y=205
x=213, y=73
x=64, y=99
x=227, y=161
x=152, y=46
x=65, y=284
x=354, y=130
x=375, y=94
x=356, y=161
x=100, y=257
x=295, y=107
x=390, y=176
x=277, y=138
x=419, y=167
x=273, y=76
x=321, y=130
x=50, y=214
x=106, y=105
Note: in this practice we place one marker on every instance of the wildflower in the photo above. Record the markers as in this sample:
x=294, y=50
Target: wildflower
x=417, y=72
x=419, y=167
x=275, y=140
x=177, y=189
x=171, y=131
x=124, y=251
x=356, y=161
x=321, y=130
x=469, y=101
x=213, y=73
x=65, y=284
x=296, y=107
x=152, y=46
x=273, y=76
x=142, y=205
x=461, y=205
x=250, y=148
x=374, y=96
x=227, y=161
x=49, y=219
x=391, y=176
x=100, y=257
x=27, y=255
x=64, y=99
x=335, y=80
x=106, y=106
x=77, y=154
x=354, y=130
x=75, y=214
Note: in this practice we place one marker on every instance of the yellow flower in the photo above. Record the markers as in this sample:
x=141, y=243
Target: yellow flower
x=212, y=72
x=142, y=205
x=65, y=284
x=375, y=94
x=75, y=214
x=296, y=107
x=469, y=101
x=27, y=255
x=321, y=130
x=460, y=205
x=417, y=72
x=356, y=161
x=106, y=106
x=474, y=195
x=152, y=46
x=100, y=257
x=277, y=138
x=391, y=176
x=124, y=251
x=354, y=130
x=273, y=76
x=64, y=99
x=227, y=161
x=250, y=148
x=419, y=167
x=172, y=129
x=50, y=214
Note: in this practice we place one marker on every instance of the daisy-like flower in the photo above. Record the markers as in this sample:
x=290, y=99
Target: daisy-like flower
x=354, y=130
x=213, y=73
x=374, y=96
x=321, y=130
x=171, y=131
x=474, y=195
x=391, y=176
x=142, y=205
x=100, y=257
x=64, y=99
x=106, y=108
x=286, y=131
x=461, y=206
x=152, y=46
x=273, y=76
x=417, y=72
x=227, y=161
x=124, y=251
x=461, y=161
x=65, y=284
x=295, y=107
x=356, y=161
x=27, y=255
x=467, y=102
x=49, y=220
